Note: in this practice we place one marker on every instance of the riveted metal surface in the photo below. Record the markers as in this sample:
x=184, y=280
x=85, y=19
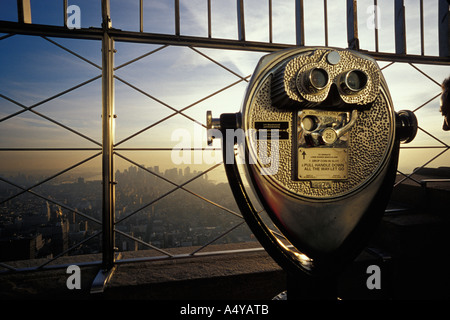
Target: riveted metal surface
x=369, y=140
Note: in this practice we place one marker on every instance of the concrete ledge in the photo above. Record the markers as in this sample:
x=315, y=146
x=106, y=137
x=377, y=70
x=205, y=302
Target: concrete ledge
x=239, y=276
x=244, y=275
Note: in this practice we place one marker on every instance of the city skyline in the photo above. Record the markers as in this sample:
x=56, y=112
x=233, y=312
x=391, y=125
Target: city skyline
x=32, y=227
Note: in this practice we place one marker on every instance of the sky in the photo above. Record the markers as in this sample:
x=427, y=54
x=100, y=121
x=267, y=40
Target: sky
x=33, y=69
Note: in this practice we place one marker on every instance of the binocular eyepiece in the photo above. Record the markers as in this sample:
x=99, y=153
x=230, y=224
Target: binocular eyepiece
x=317, y=79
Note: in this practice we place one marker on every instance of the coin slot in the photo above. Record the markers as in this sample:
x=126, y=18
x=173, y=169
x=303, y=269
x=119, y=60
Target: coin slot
x=309, y=123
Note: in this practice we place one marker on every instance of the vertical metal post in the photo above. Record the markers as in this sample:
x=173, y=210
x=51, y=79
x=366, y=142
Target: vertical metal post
x=240, y=18
x=108, y=190
x=270, y=22
x=422, y=31
x=177, y=17
x=352, y=25
x=444, y=29
x=299, y=23
x=325, y=18
x=108, y=138
x=400, y=33
x=141, y=15
x=24, y=11
x=65, y=6
x=209, y=19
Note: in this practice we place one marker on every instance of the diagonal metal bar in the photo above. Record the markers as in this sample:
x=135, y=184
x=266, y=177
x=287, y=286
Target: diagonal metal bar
x=228, y=231
x=6, y=266
x=181, y=186
x=71, y=52
x=157, y=100
x=217, y=238
x=52, y=177
x=15, y=102
x=7, y=36
x=177, y=111
x=426, y=75
x=143, y=242
x=52, y=201
x=30, y=108
x=66, y=127
x=69, y=249
x=435, y=138
x=45, y=100
x=388, y=65
x=218, y=63
x=144, y=93
x=145, y=129
x=140, y=57
x=425, y=103
x=213, y=94
x=407, y=177
x=417, y=169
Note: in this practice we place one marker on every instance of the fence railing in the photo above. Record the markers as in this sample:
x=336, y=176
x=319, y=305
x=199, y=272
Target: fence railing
x=108, y=151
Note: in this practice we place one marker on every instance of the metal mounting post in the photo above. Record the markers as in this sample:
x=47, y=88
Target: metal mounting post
x=400, y=27
x=352, y=25
x=108, y=184
x=24, y=11
x=444, y=29
x=108, y=139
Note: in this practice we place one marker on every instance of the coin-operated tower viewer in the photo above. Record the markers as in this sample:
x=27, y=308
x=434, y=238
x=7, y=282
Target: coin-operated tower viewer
x=319, y=139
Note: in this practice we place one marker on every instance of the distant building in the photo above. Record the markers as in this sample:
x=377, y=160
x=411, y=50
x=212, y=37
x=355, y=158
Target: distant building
x=21, y=247
x=57, y=234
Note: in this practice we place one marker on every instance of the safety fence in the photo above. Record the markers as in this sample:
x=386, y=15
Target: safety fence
x=122, y=97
